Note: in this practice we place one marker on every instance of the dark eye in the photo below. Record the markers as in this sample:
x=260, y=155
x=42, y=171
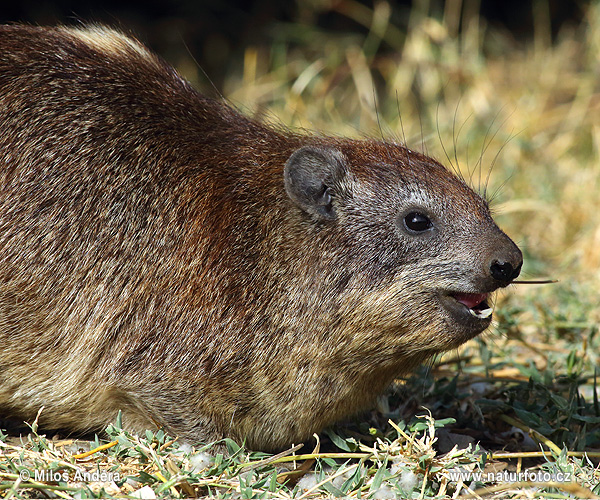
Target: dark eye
x=417, y=222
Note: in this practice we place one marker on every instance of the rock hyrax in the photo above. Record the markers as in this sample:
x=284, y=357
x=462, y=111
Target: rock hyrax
x=163, y=255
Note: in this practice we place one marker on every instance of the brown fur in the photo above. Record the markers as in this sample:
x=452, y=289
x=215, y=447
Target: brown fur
x=151, y=260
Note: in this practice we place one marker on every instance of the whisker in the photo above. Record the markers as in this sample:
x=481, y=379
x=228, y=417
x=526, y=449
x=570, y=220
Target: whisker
x=439, y=134
x=455, y=135
x=387, y=147
x=533, y=282
x=487, y=141
x=402, y=129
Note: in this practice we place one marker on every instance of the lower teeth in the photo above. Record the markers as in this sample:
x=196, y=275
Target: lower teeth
x=484, y=313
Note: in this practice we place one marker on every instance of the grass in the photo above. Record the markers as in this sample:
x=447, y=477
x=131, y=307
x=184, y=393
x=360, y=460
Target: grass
x=523, y=397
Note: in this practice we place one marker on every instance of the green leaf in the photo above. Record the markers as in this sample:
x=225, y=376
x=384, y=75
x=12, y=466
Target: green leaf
x=348, y=444
x=380, y=475
x=444, y=421
x=232, y=446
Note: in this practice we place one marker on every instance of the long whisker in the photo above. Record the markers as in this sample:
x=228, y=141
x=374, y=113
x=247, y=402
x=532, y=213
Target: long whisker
x=533, y=282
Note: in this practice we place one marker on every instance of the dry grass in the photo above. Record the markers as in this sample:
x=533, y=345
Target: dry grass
x=530, y=111
x=526, y=115
x=405, y=463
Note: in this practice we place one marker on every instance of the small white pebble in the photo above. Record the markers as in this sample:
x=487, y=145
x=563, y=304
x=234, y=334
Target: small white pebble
x=307, y=482
x=200, y=461
x=246, y=476
x=110, y=488
x=384, y=492
x=145, y=493
x=408, y=481
x=132, y=482
x=480, y=388
x=527, y=442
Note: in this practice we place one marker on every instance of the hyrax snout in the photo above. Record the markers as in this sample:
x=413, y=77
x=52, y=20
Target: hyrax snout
x=163, y=255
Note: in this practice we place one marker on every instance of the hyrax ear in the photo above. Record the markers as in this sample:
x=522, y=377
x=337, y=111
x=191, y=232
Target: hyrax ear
x=311, y=176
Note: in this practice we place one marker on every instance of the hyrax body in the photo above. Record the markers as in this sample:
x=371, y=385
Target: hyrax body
x=162, y=255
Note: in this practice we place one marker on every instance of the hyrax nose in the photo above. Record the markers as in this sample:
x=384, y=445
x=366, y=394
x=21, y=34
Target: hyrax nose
x=505, y=268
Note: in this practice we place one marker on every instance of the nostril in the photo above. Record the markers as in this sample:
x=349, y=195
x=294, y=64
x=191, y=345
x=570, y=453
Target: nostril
x=503, y=271
x=516, y=272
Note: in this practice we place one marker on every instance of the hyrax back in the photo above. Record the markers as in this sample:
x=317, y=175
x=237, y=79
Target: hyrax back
x=162, y=255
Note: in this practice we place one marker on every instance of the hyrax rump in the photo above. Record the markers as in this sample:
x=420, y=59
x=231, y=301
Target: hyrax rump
x=163, y=255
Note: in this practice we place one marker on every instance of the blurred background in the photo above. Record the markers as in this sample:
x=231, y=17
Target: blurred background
x=217, y=32
x=506, y=92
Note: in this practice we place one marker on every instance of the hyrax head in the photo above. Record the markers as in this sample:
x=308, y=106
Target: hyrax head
x=420, y=244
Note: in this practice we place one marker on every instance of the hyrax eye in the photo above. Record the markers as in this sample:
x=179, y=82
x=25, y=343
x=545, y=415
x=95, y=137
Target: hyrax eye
x=417, y=222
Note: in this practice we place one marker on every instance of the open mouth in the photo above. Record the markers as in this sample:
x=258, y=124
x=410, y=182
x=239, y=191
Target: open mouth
x=470, y=312
x=475, y=303
x=466, y=314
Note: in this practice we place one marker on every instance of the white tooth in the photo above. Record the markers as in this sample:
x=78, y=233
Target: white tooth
x=486, y=313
